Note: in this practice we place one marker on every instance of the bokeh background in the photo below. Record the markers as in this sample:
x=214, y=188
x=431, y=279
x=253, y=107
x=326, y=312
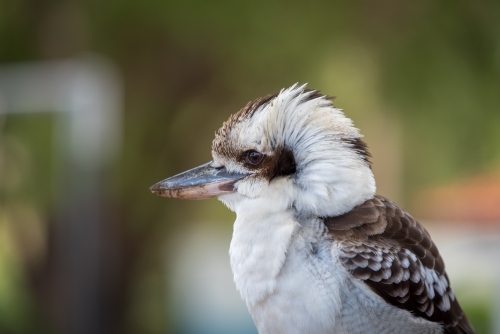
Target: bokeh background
x=101, y=99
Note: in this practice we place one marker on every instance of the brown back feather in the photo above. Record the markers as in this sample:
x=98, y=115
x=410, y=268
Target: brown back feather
x=394, y=255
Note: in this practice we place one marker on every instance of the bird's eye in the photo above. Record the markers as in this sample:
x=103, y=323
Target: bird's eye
x=254, y=158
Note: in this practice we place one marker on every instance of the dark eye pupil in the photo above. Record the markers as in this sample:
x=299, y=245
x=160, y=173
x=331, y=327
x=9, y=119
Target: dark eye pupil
x=254, y=157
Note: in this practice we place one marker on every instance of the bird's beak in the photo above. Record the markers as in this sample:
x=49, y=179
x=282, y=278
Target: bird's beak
x=201, y=182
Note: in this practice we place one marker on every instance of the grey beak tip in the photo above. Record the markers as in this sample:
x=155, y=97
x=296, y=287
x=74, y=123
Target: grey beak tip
x=155, y=188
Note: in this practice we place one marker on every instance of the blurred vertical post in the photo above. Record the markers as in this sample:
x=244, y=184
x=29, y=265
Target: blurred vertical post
x=86, y=96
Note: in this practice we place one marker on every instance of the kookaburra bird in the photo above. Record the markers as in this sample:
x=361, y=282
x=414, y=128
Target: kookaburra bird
x=314, y=248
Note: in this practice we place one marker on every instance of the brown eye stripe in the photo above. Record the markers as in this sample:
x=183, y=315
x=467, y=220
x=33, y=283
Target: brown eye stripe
x=280, y=163
x=283, y=164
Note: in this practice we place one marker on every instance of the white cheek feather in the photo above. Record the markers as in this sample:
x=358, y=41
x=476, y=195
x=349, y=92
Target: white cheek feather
x=276, y=196
x=331, y=177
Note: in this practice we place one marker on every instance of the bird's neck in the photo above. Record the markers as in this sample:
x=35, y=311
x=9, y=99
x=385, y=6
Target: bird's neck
x=262, y=235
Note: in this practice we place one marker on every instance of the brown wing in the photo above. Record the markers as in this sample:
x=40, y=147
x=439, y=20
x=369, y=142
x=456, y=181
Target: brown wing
x=392, y=253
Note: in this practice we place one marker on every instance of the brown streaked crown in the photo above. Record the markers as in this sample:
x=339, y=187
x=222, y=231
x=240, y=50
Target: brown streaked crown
x=222, y=143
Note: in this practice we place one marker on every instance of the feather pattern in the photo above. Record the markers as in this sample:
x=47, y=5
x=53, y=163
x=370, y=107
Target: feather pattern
x=393, y=254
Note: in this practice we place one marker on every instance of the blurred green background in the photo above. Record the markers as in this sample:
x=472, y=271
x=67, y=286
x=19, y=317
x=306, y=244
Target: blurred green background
x=420, y=79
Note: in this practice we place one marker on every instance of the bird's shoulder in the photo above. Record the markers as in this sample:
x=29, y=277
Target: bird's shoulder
x=387, y=249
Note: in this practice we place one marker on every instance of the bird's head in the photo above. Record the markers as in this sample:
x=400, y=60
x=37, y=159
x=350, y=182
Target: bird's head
x=293, y=148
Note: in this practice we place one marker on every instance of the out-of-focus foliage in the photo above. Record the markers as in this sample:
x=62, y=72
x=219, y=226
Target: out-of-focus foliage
x=421, y=80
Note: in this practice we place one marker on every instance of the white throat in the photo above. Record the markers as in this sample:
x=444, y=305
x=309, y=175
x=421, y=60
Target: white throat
x=271, y=260
x=262, y=233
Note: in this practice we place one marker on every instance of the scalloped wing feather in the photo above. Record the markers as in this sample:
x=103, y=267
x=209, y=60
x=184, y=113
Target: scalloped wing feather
x=392, y=253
